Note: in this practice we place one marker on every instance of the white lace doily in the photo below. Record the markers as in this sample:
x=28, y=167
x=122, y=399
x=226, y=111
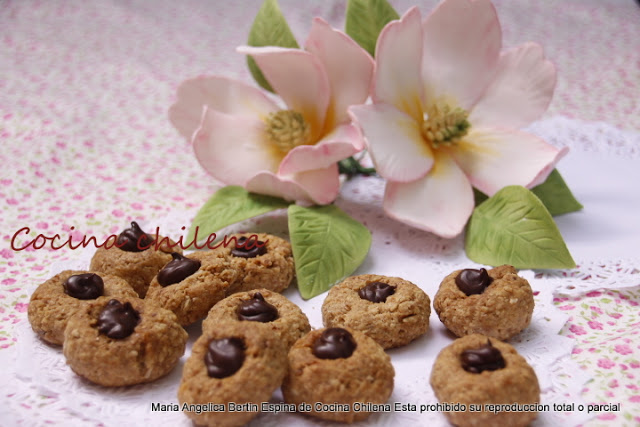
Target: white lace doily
x=43, y=370
x=42, y=380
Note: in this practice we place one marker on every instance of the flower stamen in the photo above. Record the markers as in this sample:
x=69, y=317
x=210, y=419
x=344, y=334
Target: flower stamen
x=287, y=129
x=443, y=126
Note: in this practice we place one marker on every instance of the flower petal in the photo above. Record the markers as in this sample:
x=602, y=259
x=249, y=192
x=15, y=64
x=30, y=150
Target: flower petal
x=231, y=147
x=298, y=77
x=322, y=185
x=318, y=186
x=397, y=78
x=395, y=142
x=272, y=185
x=494, y=157
x=348, y=67
x=342, y=142
x=441, y=202
x=462, y=41
x=520, y=92
x=218, y=93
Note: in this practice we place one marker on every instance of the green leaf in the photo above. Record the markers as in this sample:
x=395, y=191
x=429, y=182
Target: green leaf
x=553, y=193
x=230, y=205
x=556, y=196
x=328, y=245
x=365, y=19
x=269, y=28
x=513, y=227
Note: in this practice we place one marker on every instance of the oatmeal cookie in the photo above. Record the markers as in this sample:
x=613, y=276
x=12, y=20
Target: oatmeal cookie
x=390, y=310
x=263, y=260
x=189, y=286
x=231, y=364
x=264, y=309
x=480, y=370
x=55, y=300
x=497, y=302
x=338, y=366
x=127, y=259
x=123, y=341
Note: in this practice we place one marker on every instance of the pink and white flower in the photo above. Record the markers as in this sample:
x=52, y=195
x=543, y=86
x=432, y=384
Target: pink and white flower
x=242, y=137
x=447, y=106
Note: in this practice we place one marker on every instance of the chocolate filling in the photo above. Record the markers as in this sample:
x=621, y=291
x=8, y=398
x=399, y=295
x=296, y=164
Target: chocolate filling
x=84, y=286
x=248, y=248
x=178, y=269
x=485, y=358
x=334, y=343
x=224, y=357
x=134, y=239
x=257, y=309
x=118, y=320
x=473, y=282
x=377, y=292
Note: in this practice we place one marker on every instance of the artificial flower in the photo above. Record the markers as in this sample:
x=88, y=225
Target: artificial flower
x=447, y=106
x=242, y=137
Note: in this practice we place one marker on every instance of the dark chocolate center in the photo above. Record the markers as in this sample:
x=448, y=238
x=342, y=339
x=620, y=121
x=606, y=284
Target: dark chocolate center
x=485, y=358
x=224, y=357
x=178, y=269
x=334, y=343
x=134, y=239
x=472, y=281
x=257, y=310
x=84, y=286
x=118, y=320
x=377, y=292
x=249, y=248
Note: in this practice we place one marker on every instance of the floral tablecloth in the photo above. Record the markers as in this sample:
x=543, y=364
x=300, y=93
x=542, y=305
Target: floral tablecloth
x=86, y=147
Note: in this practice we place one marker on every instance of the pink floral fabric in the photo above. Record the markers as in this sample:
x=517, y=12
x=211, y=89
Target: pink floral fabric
x=606, y=327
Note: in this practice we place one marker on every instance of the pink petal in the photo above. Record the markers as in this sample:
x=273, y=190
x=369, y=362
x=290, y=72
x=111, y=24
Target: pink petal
x=218, y=93
x=322, y=185
x=395, y=142
x=462, y=41
x=344, y=141
x=231, y=147
x=494, y=157
x=272, y=185
x=298, y=77
x=441, y=202
x=348, y=67
x=319, y=186
x=520, y=92
x=398, y=53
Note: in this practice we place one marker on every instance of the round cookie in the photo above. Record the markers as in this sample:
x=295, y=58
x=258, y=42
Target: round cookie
x=266, y=262
x=500, y=303
x=124, y=341
x=264, y=309
x=231, y=364
x=338, y=366
x=137, y=267
x=390, y=310
x=51, y=306
x=480, y=370
x=189, y=286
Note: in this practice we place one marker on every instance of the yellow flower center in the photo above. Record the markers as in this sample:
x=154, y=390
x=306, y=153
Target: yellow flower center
x=443, y=126
x=287, y=129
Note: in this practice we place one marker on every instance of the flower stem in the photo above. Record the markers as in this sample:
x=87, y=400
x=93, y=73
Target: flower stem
x=351, y=167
